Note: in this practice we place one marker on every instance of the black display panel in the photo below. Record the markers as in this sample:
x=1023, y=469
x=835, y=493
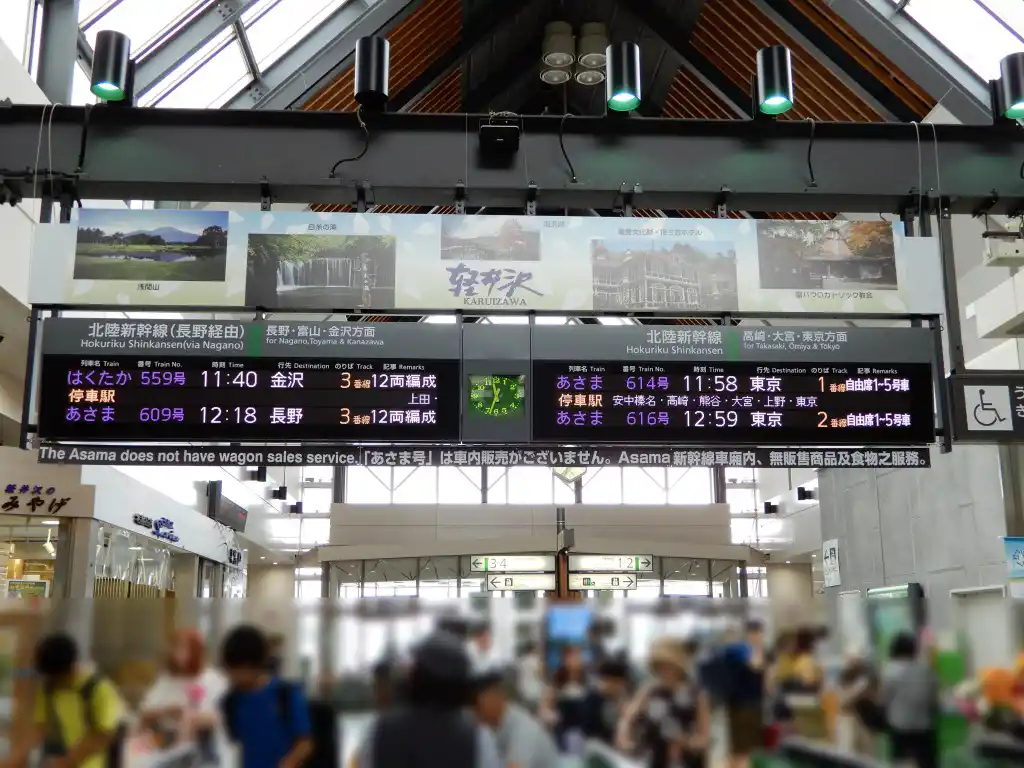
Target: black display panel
x=251, y=399
x=734, y=403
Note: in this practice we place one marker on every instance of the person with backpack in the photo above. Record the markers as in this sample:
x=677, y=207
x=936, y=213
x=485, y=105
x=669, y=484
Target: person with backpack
x=266, y=717
x=79, y=714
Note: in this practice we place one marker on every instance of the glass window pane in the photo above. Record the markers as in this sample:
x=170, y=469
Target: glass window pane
x=415, y=486
x=211, y=84
x=315, y=532
x=689, y=486
x=643, y=486
x=142, y=20
x=969, y=32
x=368, y=486
x=741, y=500
x=603, y=486
x=80, y=89
x=284, y=24
x=316, y=501
x=564, y=493
x=317, y=474
x=283, y=530
x=529, y=485
x=456, y=485
x=14, y=30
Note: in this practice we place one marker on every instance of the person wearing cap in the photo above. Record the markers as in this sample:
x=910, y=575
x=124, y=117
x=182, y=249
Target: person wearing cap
x=431, y=727
x=522, y=741
x=671, y=713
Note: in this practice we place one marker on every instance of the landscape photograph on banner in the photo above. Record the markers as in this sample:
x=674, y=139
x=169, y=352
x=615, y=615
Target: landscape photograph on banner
x=832, y=255
x=490, y=238
x=151, y=246
x=663, y=273
x=295, y=271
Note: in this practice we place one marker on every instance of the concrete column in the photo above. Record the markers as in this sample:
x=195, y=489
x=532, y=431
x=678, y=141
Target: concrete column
x=186, y=589
x=791, y=591
x=58, y=50
x=941, y=527
x=73, y=576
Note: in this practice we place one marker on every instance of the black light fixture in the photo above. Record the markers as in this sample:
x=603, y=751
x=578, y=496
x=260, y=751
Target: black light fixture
x=805, y=494
x=773, y=92
x=622, y=76
x=372, y=62
x=280, y=493
x=112, y=67
x=771, y=509
x=1011, y=86
x=258, y=475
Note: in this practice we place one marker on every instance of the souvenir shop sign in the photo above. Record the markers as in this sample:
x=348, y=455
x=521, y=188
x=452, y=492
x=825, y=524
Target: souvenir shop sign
x=29, y=498
x=281, y=260
x=478, y=456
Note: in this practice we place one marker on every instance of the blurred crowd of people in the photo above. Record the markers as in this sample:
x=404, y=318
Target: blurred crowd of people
x=450, y=702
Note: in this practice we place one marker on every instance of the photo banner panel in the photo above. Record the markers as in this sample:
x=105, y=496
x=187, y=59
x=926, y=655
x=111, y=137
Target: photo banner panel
x=477, y=456
x=304, y=261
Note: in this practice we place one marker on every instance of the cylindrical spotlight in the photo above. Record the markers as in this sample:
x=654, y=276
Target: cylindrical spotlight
x=774, y=80
x=622, y=82
x=590, y=48
x=372, y=61
x=1011, y=80
x=586, y=76
x=559, y=46
x=110, y=65
x=555, y=75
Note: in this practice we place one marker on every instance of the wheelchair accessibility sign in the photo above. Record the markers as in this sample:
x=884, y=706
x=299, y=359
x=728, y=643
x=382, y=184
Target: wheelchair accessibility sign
x=989, y=407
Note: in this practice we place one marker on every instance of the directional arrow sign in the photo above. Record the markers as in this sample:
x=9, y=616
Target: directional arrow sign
x=511, y=563
x=520, y=582
x=612, y=563
x=581, y=581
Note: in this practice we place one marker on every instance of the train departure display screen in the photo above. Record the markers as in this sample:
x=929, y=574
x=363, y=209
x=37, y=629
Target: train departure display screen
x=737, y=403
x=256, y=399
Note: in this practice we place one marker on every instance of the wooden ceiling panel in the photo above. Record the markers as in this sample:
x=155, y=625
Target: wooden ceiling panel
x=730, y=32
x=416, y=43
x=867, y=56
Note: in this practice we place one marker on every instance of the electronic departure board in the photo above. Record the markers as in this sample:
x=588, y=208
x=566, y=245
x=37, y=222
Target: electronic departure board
x=739, y=403
x=248, y=382
x=263, y=399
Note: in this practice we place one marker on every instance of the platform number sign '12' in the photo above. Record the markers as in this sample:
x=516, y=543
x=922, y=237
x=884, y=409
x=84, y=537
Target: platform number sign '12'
x=257, y=399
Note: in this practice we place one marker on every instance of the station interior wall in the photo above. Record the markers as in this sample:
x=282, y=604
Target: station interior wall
x=930, y=512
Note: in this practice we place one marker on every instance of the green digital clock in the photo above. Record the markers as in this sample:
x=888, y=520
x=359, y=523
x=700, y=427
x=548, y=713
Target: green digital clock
x=497, y=396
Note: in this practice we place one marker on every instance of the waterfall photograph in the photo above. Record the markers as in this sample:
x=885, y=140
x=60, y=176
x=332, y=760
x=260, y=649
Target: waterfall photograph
x=321, y=271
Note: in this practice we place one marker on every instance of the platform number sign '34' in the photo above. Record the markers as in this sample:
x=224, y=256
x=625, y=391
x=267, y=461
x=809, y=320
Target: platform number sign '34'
x=32, y=498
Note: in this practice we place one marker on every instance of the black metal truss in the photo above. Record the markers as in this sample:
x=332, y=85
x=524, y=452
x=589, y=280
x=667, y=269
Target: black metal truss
x=225, y=155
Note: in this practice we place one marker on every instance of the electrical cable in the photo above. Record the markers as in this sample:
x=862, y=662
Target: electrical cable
x=39, y=151
x=561, y=143
x=366, y=145
x=920, y=168
x=812, y=183
x=84, y=143
x=938, y=173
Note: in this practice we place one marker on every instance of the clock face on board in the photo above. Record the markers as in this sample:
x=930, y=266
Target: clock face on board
x=497, y=396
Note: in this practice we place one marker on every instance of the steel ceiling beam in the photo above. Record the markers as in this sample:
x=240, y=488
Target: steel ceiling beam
x=223, y=155
x=320, y=56
x=158, y=61
x=919, y=56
